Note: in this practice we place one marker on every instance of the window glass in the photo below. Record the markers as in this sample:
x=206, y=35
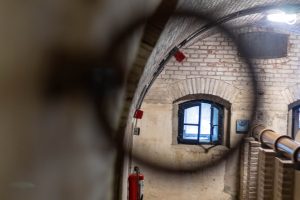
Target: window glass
x=296, y=121
x=191, y=115
x=204, y=138
x=205, y=119
x=199, y=122
x=190, y=132
x=215, y=124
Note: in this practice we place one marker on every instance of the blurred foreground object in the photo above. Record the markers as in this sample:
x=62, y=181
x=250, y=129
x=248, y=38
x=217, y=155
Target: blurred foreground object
x=53, y=148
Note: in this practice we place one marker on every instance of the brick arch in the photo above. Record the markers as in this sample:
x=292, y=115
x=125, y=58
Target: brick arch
x=291, y=94
x=203, y=86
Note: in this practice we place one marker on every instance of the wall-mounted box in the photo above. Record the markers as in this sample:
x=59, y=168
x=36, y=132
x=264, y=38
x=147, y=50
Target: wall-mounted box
x=242, y=126
x=136, y=131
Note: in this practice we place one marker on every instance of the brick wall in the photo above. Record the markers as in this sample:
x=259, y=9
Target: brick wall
x=212, y=66
x=265, y=177
x=265, y=174
x=284, y=179
x=253, y=149
x=244, y=167
x=215, y=59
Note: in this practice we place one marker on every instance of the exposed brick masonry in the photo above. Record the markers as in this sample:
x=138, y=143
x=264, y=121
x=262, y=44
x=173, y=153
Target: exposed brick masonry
x=283, y=179
x=251, y=193
x=215, y=58
x=265, y=178
x=244, y=167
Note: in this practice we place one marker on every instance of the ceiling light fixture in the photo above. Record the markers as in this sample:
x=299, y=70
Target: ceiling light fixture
x=281, y=16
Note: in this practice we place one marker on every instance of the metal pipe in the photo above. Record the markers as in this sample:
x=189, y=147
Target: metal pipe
x=280, y=143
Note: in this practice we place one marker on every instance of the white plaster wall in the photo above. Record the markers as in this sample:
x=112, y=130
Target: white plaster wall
x=155, y=141
x=206, y=185
x=155, y=145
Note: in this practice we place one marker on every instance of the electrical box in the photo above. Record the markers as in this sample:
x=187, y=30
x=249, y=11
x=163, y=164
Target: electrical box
x=136, y=131
x=242, y=126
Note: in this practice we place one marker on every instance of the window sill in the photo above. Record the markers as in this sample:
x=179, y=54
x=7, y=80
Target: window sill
x=194, y=147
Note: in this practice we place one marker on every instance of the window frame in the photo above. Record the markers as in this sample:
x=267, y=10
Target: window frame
x=290, y=119
x=188, y=104
x=294, y=110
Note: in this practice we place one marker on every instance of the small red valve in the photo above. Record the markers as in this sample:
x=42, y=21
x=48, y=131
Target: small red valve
x=138, y=114
x=179, y=56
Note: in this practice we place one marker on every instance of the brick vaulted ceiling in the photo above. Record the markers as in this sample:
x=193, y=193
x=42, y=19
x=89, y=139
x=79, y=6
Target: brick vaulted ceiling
x=152, y=32
x=162, y=33
x=177, y=30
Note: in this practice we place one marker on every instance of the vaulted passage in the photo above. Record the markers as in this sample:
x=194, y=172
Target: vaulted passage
x=150, y=100
x=198, y=137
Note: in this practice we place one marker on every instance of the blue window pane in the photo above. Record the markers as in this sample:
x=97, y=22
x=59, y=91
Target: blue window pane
x=205, y=119
x=215, y=133
x=199, y=123
x=191, y=115
x=204, y=138
x=190, y=132
x=215, y=124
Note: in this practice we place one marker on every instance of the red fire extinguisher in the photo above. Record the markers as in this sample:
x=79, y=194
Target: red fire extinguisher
x=136, y=184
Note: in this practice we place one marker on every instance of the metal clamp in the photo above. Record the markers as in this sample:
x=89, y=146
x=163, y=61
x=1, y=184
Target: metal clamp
x=262, y=132
x=254, y=127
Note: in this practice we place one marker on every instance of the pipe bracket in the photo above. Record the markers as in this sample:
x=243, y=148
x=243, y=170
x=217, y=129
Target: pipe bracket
x=262, y=132
x=254, y=127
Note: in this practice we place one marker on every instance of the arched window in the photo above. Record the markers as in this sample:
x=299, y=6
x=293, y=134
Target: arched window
x=200, y=122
